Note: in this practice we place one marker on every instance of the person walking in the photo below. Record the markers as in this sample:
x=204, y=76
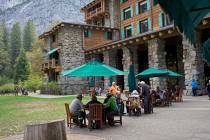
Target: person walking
x=194, y=87
x=146, y=94
x=208, y=89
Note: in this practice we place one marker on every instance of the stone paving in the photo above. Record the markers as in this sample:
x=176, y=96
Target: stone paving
x=189, y=120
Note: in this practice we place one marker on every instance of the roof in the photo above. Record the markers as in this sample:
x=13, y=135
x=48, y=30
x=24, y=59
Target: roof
x=89, y=4
x=78, y=25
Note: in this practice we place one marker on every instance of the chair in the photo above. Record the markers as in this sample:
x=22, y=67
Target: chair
x=95, y=114
x=70, y=116
x=118, y=120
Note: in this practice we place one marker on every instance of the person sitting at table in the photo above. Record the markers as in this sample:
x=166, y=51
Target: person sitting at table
x=111, y=109
x=114, y=89
x=120, y=103
x=76, y=107
x=93, y=101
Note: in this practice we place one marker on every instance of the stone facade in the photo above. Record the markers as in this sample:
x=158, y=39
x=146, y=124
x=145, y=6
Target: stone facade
x=156, y=57
x=71, y=55
x=126, y=64
x=193, y=66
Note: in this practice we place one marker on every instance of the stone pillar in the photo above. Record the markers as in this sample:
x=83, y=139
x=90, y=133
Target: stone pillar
x=193, y=66
x=126, y=64
x=156, y=57
x=109, y=59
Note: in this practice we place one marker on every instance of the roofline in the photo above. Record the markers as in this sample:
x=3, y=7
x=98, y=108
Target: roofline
x=88, y=5
x=78, y=25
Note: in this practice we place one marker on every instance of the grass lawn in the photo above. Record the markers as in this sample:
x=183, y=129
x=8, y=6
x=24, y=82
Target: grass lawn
x=17, y=111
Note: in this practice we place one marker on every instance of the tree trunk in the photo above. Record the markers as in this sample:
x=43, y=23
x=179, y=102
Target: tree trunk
x=48, y=131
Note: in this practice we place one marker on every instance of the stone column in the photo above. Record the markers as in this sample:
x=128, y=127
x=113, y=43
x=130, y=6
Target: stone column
x=193, y=66
x=156, y=57
x=109, y=59
x=126, y=64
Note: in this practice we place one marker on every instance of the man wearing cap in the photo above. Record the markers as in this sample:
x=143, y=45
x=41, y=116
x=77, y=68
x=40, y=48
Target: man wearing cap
x=76, y=108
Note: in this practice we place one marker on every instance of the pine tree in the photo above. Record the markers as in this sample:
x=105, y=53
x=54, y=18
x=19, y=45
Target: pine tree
x=4, y=54
x=22, y=67
x=5, y=35
x=29, y=35
x=15, y=42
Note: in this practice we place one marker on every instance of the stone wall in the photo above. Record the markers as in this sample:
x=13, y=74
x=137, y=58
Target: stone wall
x=156, y=57
x=71, y=55
x=193, y=66
x=126, y=64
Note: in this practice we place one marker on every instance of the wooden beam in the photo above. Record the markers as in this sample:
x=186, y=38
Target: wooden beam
x=145, y=38
x=160, y=34
x=124, y=43
x=137, y=40
x=204, y=22
x=170, y=31
x=103, y=49
x=131, y=42
x=153, y=36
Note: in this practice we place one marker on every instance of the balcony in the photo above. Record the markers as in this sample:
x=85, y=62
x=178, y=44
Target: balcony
x=54, y=45
x=94, y=13
x=52, y=64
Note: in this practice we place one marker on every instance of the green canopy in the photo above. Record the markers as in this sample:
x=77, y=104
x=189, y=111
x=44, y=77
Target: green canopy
x=152, y=72
x=52, y=51
x=187, y=14
x=93, y=68
x=172, y=74
x=131, y=79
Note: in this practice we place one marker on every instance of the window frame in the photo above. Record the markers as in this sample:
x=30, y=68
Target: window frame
x=86, y=34
x=125, y=11
x=129, y=27
x=140, y=4
x=141, y=30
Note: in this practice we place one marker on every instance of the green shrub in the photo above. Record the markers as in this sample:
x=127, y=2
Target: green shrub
x=34, y=82
x=53, y=85
x=7, y=88
x=5, y=80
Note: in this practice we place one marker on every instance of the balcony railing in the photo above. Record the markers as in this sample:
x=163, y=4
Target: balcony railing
x=94, y=13
x=53, y=63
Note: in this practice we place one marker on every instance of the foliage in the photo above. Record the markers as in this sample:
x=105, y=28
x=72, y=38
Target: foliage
x=4, y=55
x=29, y=35
x=5, y=80
x=53, y=85
x=15, y=42
x=34, y=82
x=22, y=67
x=5, y=35
x=35, y=57
x=7, y=88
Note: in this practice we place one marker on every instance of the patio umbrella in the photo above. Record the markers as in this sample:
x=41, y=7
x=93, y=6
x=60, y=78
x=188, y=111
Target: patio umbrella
x=172, y=74
x=93, y=68
x=187, y=14
x=152, y=72
x=131, y=79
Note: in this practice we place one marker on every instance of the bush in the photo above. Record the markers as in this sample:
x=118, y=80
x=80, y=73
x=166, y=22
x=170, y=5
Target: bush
x=7, y=88
x=52, y=88
x=34, y=82
x=5, y=80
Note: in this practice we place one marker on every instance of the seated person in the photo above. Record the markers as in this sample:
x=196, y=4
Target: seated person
x=120, y=103
x=114, y=90
x=98, y=90
x=134, y=103
x=111, y=109
x=93, y=101
x=76, y=107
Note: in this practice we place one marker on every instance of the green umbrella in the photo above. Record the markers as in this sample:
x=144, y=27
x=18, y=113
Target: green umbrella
x=173, y=74
x=93, y=68
x=152, y=72
x=131, y=79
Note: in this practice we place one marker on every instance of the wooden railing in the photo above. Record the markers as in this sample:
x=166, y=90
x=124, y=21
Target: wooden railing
x=94, y=12
x=53, y=63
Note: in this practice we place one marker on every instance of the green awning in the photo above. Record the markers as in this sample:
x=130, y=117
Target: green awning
x=52, y=51
x=152, y=72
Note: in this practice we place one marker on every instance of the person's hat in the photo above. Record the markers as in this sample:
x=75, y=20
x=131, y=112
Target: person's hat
x=142, y=82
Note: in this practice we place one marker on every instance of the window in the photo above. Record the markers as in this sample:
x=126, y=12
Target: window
x=142, y=7
x=127, y=13
x=53, y=38
x=128, y=31
x=109, y=35
x=165, y=20
x=143, y=26
x=86, y=34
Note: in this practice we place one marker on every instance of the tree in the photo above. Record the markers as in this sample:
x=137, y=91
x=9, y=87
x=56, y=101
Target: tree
x=36, y=58
x=29, y=35
x=22, y=67
x=4, y=55
x=15, y=42
x=5, y=36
